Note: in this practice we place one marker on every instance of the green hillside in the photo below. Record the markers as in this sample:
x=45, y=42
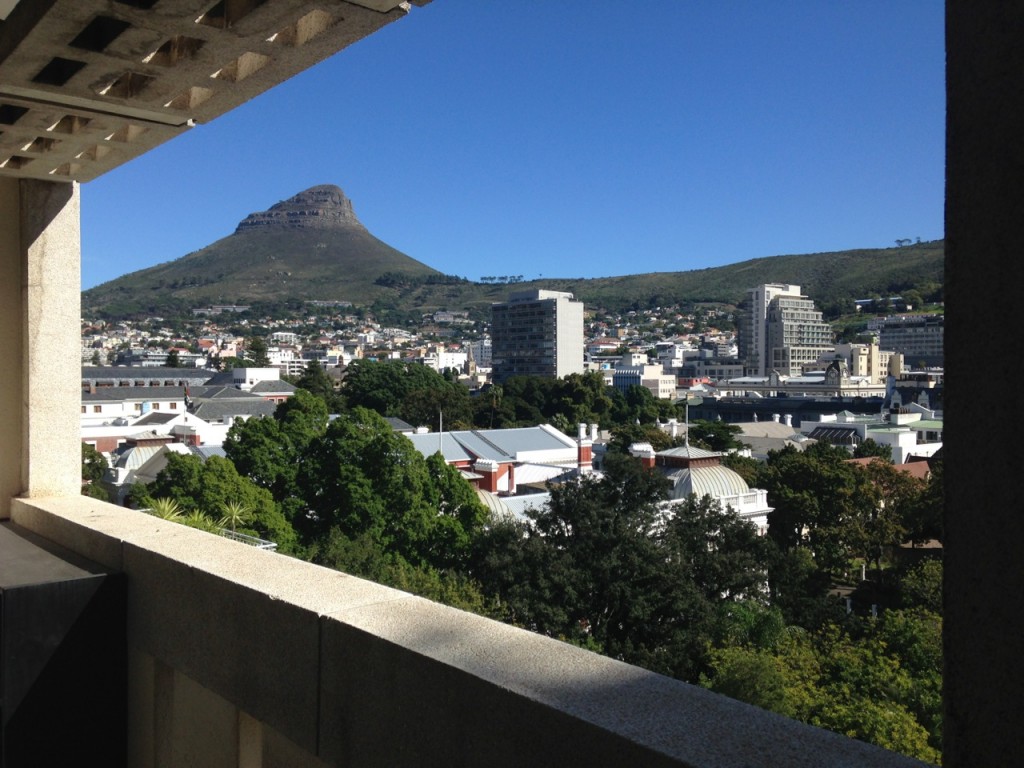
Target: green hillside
x=825, y=277
x=312, y=247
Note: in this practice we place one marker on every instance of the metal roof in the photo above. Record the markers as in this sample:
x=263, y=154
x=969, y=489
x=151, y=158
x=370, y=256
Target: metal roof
x=717, y=482
x=428, y=443
x=690, y=452
x=216, y=410
x=500, y=445
x=120, y=394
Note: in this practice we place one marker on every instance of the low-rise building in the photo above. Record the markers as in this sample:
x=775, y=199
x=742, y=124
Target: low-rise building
x=697, y=472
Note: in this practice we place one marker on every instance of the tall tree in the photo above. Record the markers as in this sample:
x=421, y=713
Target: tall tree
x=365, y=480
x=314, y=379
x=94, y=466
x=817, y=495
x=269, y=451
x=886, y=517
x=256, y=352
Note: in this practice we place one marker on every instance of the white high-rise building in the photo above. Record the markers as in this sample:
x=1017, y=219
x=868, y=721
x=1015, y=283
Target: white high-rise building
x=780, y=330
x=536, y=333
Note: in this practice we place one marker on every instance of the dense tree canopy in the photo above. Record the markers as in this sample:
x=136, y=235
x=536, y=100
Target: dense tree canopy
x=208, y=486
x=408, y=390
x=873, y=680
x=602, y=566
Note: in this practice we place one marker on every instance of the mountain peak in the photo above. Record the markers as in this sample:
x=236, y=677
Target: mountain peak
x=321, y=207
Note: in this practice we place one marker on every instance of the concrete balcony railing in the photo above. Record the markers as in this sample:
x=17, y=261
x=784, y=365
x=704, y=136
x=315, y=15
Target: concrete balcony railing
x=242, y=657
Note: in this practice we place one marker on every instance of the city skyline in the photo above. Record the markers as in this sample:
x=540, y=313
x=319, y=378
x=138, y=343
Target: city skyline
x=481, y=139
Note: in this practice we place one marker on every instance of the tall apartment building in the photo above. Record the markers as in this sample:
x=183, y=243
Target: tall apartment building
x=536, y=333
x=780, y=330
x=918, y=337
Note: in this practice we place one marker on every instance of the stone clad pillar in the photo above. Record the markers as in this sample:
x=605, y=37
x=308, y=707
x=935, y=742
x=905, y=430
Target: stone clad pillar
x=40, y=336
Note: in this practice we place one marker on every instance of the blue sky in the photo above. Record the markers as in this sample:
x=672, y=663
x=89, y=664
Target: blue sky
x=574, y=139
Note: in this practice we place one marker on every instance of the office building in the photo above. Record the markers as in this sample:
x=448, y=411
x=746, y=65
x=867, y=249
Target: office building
x=918, y=337
x=536, y=333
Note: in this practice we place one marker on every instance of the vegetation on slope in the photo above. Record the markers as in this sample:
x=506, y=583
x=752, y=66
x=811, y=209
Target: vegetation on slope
x=296, y=266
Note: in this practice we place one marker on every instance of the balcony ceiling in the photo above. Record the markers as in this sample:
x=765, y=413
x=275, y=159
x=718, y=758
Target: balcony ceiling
x=87, y=85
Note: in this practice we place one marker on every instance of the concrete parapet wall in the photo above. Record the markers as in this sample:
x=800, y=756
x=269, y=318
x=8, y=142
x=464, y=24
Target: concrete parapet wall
x=245, y=657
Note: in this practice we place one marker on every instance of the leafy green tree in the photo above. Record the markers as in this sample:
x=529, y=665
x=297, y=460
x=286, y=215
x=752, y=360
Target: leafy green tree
x=574, y=399
x=870, y=449
x=925, y=521
x=207, y=486
x=876, y=682
x=172, y=359
x=363, y=557
x=447, y=407
x=314, y=379
x=921, y=586
x=636, y=405
x=269, y=451
x=883, y=521
x=817, y=495
x=754, y=676
x=460, y=515
x=382, y=385
x=715, y=435
x=747, y=468
x=94, y=465
x=365, y=480
x=625, y=435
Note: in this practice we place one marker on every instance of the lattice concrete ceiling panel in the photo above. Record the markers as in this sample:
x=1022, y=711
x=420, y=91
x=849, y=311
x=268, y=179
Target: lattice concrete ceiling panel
x=86, y=85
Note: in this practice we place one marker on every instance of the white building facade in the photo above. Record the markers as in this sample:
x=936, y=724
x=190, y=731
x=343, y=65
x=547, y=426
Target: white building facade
x=537, y=333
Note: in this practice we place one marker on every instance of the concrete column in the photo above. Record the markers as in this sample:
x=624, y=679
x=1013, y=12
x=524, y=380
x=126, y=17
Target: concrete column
x=11, y=279
x=40, y=300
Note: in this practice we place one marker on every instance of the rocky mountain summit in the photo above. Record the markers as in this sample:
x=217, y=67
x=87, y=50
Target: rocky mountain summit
x=321, y=207
x=308, y=247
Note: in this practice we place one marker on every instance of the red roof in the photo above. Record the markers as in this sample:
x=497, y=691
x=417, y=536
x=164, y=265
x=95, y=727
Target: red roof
x=918, y=469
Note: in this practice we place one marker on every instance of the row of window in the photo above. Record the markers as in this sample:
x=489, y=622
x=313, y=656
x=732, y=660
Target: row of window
x=173, y=406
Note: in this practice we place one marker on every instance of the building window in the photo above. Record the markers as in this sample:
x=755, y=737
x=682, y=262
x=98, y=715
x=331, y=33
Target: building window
x=97, y=409
x=174, y=406
x=83, y=409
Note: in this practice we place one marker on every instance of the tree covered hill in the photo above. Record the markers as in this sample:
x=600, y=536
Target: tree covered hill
x=312, y=247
